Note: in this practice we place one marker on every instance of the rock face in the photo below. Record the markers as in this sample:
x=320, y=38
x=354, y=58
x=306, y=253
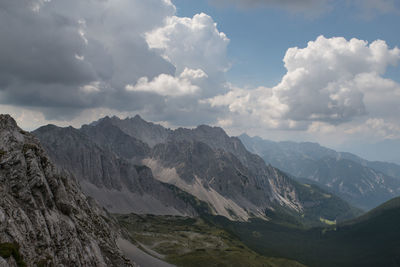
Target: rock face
x=199, y=162
x=107, y=163
x=363, y=183
x=45, y=213
x=147, y=132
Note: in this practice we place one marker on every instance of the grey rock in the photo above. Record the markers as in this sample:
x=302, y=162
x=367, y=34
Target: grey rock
x=107, y=164
x=147, y=132
x=3, y=263
x=44, y=211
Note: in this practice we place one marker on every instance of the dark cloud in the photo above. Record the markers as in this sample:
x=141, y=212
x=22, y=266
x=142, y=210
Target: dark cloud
x=41, y=47
x=72, y=55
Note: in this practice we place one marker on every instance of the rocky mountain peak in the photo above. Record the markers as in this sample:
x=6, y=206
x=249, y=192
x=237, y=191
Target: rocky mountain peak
x=137, y=118
x=211, y=129
x=44, y=213
x=7, y=122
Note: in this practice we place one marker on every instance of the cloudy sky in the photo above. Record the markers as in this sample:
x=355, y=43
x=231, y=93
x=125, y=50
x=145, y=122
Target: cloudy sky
x=314, y=70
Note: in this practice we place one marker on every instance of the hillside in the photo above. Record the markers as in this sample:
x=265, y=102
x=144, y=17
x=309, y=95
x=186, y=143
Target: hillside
x=370, y=240
x=190, y=242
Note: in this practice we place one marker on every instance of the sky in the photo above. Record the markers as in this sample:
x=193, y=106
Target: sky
x=303, y=70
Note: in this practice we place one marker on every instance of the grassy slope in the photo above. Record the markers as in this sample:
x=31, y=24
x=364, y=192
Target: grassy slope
x=324, y=205
x=193, y=242
x=371, y=240
x=320, y=209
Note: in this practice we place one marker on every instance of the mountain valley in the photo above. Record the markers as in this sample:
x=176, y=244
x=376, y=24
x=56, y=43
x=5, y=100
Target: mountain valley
x=183, y=197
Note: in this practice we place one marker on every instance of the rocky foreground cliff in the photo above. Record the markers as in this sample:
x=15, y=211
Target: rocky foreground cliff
x=45, y=220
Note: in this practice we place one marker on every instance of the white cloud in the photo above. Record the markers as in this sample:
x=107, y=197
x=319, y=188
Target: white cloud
x=192, y=43
x=376, y=128
x=91, y=87
x=387, y=130
x=332, y=81
x=381, y=95
x=167, y=85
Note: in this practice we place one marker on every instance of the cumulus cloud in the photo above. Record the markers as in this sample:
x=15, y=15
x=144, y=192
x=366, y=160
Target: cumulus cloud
x=168, y=85
x=331, y=81
x=376, y=127
x=63, y=57
x=194, y=43
x=191, y=42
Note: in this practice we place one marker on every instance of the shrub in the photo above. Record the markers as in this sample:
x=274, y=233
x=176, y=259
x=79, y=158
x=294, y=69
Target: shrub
x=12, y=249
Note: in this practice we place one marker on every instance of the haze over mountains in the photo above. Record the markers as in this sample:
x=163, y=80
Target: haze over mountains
x=363, y=183
x=385, y=150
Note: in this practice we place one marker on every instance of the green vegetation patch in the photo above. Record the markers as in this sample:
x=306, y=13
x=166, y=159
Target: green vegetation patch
x=191, y=242
x=320, y=204
x=12, y=249
x=328, y=222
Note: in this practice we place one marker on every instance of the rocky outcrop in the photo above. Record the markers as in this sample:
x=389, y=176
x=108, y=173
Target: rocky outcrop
x=43, y=211
x=147, y=132
x=109, y=136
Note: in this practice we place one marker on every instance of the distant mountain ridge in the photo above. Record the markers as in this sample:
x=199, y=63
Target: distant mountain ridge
x=363, y=183
x=203, y=162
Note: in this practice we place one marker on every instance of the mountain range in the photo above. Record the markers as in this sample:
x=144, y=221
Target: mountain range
x=128, y=192
x=136, y=166
x=46, y=220
x=364, y=184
